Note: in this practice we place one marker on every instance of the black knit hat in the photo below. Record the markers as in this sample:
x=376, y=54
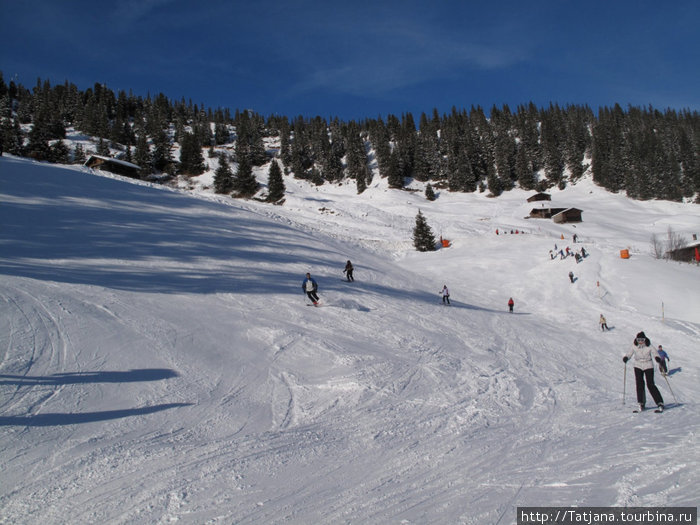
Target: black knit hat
x=641, y=335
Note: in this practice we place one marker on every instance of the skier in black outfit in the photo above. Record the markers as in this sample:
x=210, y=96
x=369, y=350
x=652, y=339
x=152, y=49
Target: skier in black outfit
x=348, y=271
x=644, y=369
x=310, y=287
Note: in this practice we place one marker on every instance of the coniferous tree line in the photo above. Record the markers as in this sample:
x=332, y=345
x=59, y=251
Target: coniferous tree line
x=645, y=152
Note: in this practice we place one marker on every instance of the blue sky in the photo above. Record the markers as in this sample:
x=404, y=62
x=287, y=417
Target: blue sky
x=363, y=58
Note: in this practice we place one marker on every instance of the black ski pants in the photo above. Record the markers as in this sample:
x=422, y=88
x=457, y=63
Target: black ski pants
x=648, y=374
x=313, y=296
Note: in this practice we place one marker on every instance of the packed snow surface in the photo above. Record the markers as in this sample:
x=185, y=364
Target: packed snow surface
x=158, y=362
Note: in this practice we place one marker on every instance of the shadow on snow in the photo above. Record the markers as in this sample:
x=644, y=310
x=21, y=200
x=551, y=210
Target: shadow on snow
x=74, y=378
x=57, y=419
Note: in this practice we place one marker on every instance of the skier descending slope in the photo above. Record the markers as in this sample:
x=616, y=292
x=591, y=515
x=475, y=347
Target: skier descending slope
x=663, y=368
x=310, y=287
x=644, y=369
x=348, y=271
x=445, y=293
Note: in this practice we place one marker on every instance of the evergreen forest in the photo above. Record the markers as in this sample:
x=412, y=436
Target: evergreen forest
x=646, y=152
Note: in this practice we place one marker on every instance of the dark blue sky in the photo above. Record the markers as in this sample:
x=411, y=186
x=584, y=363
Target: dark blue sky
x=363, y=58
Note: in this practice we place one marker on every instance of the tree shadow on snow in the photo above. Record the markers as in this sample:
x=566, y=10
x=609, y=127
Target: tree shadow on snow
x=50, y=420
x=74, y=378
x=98, y=231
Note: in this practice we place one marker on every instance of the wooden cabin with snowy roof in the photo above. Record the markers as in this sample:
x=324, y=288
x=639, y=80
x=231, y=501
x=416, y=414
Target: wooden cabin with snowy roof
x=116, y=166
x=568, y=215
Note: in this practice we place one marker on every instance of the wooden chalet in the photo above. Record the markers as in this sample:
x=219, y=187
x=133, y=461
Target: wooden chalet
x=545, y=213
x=540, y=197
x=119, y=167
x=568, y=215
x=688, y=253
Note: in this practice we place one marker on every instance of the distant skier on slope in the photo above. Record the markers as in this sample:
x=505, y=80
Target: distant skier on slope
x=348, y=271
x=644, y=369
x=603, y=323
x=511, y=304
x=311, y=288
x=445, y=295
x=664, y=358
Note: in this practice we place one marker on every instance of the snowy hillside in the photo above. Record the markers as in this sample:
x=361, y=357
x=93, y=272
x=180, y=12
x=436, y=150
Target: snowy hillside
x=158, y=362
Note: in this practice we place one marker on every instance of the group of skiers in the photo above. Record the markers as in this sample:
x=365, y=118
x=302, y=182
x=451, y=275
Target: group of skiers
x=445, y=293
x=568, y=252
x=564, y=253
x=579, y=255
x=310, y=286
x=642, y=352
x=505, y=232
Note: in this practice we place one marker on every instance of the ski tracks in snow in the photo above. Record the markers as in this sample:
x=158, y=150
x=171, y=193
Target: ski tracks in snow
x=36, y=345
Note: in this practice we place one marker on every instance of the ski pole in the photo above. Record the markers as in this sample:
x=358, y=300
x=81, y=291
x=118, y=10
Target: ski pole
x=624, y=384
x=669, y=387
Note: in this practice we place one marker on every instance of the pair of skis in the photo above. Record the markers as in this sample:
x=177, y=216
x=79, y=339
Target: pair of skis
x=638, y=410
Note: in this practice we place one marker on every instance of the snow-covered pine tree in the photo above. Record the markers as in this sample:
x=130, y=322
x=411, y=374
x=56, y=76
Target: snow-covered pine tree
x=356, y=156
x=161, y=155
x=103, y=148
x=223, y=176
x=191, y=159
x=78, y=154
x=423, y=237
x=393, y=172
x=244, y=183
x=275, y=183
x=142, y=154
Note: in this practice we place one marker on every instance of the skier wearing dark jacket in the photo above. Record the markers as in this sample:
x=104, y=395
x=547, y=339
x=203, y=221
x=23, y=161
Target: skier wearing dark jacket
x=663, y=368
x=310, y=288
x=348, y=271
x=644, y=355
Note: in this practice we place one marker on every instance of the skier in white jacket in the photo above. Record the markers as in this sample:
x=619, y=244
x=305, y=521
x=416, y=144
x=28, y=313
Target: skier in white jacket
x=644, y=356
x=445, y=295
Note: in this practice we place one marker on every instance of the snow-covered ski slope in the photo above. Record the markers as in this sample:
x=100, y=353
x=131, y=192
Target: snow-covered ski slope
x=157, y=363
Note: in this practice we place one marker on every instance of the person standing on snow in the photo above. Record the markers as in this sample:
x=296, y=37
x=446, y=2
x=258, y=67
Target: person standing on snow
x=662, y=364
x=571, y=276
x=348, y=271
x=511, y=304
x=603, y=324
x=445, y=295
x=644, y=369
x=310, y=288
